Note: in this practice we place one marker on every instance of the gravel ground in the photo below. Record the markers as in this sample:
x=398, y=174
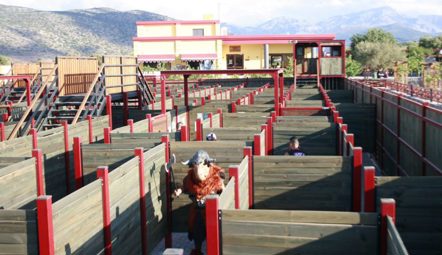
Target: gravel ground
x=179, y=240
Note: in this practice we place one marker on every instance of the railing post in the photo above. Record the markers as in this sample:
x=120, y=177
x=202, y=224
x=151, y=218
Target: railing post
x=139, y=152
x=350, y=141
x=168, y=238
x=388, y=208
x=163, y=95
x=233, y=107
x=109, y=109
x=248, y=152
x=210, y=116
x=184, y=134
x=39, y=172
x=91, y=130
x=107, y=136
x=213, y=218
x=220, y=112
x=130, y=122
x=45, y=226
x=103, y=174
x=269, y=136
x=357, y=171
x=257, y=145
x=150, y=125
x=78, y=163
x=2, y=132
x=34, y=138
x=199, y=129
x=67, y=160
x=28, y=92
x=369, y=189
x=234, y=172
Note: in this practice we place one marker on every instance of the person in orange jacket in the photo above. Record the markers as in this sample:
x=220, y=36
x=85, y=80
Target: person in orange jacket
x=203, y=178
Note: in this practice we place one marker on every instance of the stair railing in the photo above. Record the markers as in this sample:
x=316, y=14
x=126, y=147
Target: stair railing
x=33, y=103
x=146, y=91
x=37, y=83
x=88, y=93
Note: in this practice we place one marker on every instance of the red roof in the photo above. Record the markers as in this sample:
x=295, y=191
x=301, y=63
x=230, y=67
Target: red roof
x=175, y=22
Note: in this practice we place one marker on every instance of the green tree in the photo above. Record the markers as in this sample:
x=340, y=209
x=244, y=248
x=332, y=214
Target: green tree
x=374, y=35
x=432, y=43
x=415, y=56
x=288, y=70
x=4, y=60
x=352, y=67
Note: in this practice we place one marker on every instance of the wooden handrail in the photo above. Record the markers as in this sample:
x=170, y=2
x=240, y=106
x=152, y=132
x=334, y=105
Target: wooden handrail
x=88, y=93
x=29, y=109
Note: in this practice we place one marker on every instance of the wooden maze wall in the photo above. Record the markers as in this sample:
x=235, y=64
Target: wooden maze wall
x=75, y=74
x=128, y=74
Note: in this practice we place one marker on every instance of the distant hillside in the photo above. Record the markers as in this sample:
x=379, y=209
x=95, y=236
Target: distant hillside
x=344, y=26
x=28, y=34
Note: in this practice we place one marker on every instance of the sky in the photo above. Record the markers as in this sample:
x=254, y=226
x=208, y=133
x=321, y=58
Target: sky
x=241, y=12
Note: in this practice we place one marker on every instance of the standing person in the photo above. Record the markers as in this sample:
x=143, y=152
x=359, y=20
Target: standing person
x=294, y=148
x=203, y=178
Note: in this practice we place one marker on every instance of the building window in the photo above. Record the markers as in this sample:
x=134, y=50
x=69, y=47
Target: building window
x=331, y=51
x=235, y=61
x=198, y=32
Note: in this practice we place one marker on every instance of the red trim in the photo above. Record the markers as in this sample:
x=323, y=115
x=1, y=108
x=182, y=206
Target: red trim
x=176, y=22
x=233, y=107
x=91, y=131
x=234, y=172
x=2, y=132
x=150, y=124
x=163, y=96
x=257, y=145
x=38, y=155
x=103, y=174
x=220, y=112
x=156, y=57
x=199, y=56
x=143, y=216
x=45, y=225
x=247, y=151
x=369, y=189
x=78, y=164
x=269, y=135
x=67, y=159
x=212, y=226
x=357, y=171
x=210, y=116
x=388, y=208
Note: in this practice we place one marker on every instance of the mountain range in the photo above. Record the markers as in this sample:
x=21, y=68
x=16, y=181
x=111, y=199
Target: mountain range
x=29, y=34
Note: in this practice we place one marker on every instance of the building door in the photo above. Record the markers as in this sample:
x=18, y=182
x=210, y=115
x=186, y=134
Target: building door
x=235, y=61
x=306, y=58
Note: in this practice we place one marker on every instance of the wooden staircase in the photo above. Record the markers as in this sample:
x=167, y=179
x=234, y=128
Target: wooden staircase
x=15, y=94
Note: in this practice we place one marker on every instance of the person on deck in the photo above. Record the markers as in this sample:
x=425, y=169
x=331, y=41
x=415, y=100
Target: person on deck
x=294, y=149
x=203, y=178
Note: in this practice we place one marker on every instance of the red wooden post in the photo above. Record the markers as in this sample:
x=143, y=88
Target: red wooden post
x=78, y=164
x=150, y=125
x=213, y=217
x=281, y=87
x=91, y=130
x=234, y=172
x=335, y=116
x=275, y=92
x=45, y=226
x=67, y=163
x=233, y=107
x=199, y=130
x=369, y=189
x=103, y=174
x=220, y=112
x=130, y=122
x=163, y=95
x=257, y=145
x=357, y=171
x=350, y=140
x=34, y=138
x=184, y=134
x=109, y=109
x=38, y=155
x=168, y=238
x=5, y=117
x=388, y=208
x=269, y=136
x=125, y=108
x=107, y=136
x=2, y=132
x=186, y=90
x=266, y=144
x=139, y=152
x=203, y=101
x=248, y=152
x=28, y=92
x=210, y=116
